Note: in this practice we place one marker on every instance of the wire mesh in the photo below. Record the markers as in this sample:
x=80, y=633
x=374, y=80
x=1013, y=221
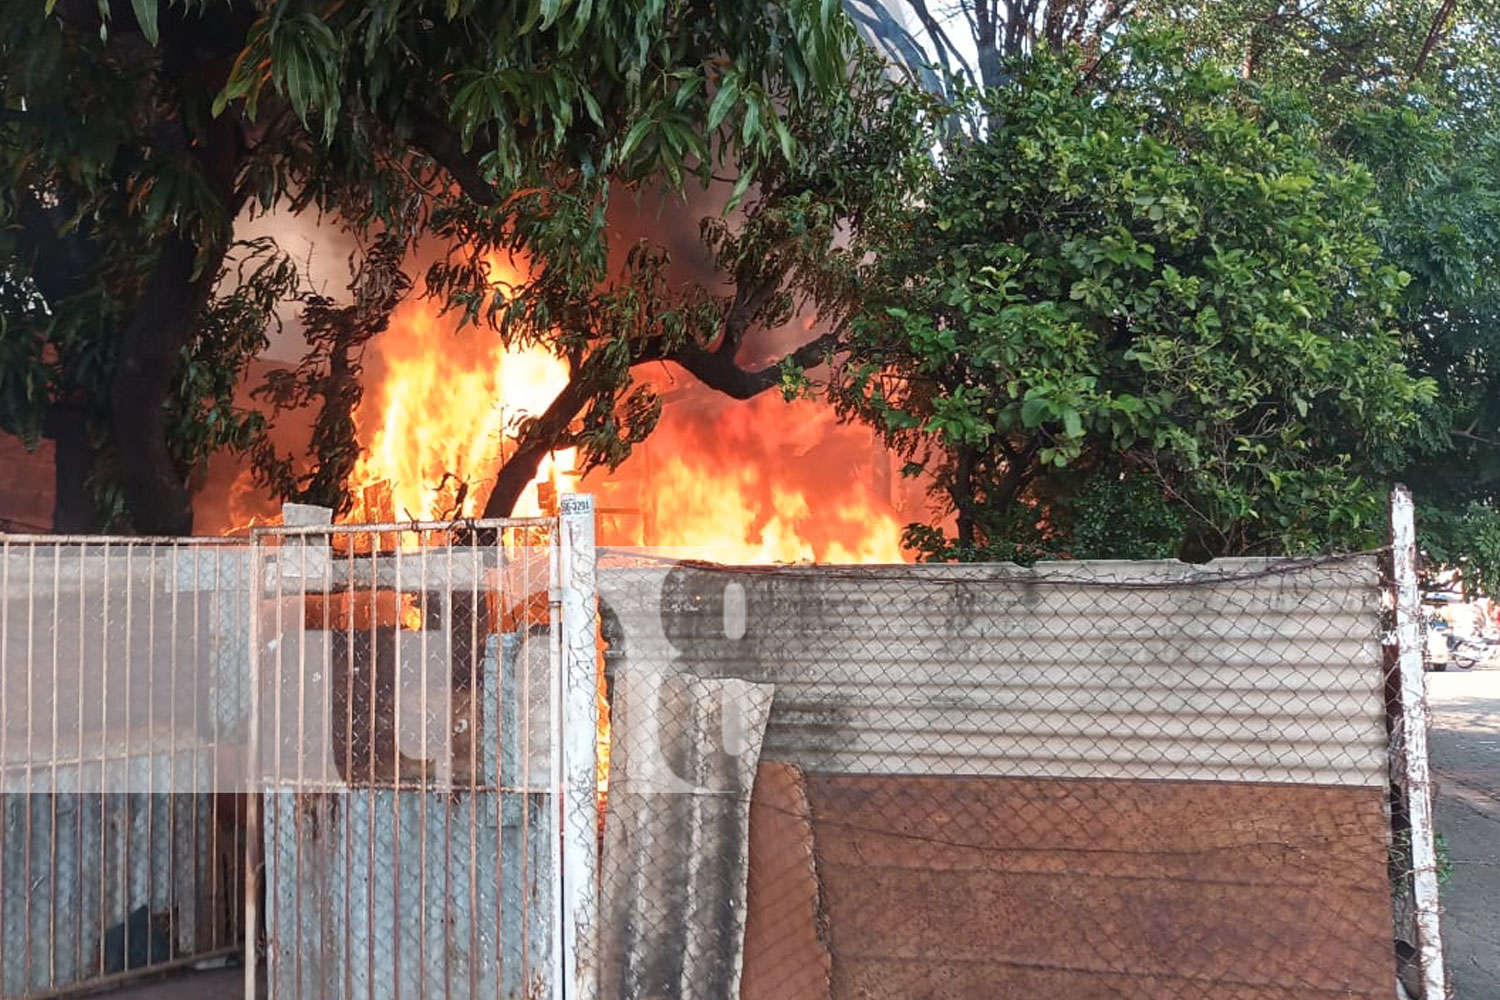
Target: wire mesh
x=408, y=726
x=1071, y=780
x=121, y=711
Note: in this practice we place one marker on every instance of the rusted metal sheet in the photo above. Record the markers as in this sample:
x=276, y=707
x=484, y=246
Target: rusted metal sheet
x=1251, y=670
x=786, y=951
x=1011, y=889
x=676, y=839
x=388, y=892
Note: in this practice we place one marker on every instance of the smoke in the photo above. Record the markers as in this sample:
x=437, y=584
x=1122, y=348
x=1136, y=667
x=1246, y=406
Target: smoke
x=228, y=497
x=321, y=250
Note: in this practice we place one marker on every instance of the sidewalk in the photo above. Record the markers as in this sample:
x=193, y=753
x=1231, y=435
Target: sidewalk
x=1465, y=748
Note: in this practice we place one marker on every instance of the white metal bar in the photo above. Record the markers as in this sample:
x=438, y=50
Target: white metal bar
x=399, y=527
x=6, y=933
x=579, y=818
x=1414, y=724
x=254, y=770
x=554, y=756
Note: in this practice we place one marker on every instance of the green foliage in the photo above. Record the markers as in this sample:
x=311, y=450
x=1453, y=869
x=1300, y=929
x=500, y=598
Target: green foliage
x=1123, y=517
x=131, y=133
x=328, y=378
x=1400, y=864
x=1165, y=274
x=1409, y=90
x=1467, y=538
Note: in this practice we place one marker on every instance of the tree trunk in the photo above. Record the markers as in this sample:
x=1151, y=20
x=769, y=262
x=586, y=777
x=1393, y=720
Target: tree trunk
x=520, y=469
x=962, y=492
x=157, y=498
x=73, y=509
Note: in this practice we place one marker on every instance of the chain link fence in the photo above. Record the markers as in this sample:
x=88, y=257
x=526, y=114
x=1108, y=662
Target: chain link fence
x=1071, y=780
x=462, y=760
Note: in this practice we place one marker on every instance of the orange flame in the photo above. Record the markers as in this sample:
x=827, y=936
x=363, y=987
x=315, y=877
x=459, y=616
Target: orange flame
x=442, y=412
x=761, y=481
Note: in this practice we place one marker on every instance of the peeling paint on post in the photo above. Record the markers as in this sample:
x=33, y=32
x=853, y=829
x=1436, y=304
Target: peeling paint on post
x=1414, y=723
x=576, y=605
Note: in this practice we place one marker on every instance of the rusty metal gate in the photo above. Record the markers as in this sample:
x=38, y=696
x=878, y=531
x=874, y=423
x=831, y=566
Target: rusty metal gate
x=122, y=718
x=423, y=742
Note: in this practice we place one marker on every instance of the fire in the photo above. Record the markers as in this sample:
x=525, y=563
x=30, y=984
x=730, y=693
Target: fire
x=762, y=481
x=441, y=414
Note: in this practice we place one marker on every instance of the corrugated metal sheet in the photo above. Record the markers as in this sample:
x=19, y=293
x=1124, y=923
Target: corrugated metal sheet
x=376, y=893
x=93, y=885
x=676, y=849
x=1240, y=670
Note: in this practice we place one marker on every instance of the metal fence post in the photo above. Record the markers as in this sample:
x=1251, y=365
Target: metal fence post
x=1414, y=723
x=578, y=584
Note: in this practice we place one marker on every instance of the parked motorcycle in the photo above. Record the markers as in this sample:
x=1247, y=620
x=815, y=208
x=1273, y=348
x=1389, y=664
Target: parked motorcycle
x=1465, y=652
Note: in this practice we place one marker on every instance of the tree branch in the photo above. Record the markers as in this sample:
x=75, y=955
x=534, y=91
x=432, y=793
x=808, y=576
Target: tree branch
x=1439, y=23
x=541, y=437
x=438, y=141
x=550, y=430
x=719, y=371
x=941, y=42
x=746, y=306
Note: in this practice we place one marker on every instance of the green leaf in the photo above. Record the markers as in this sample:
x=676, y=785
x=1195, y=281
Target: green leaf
x=634, y=137
x=145, y=16
x=750, y=127
x=1035, y=410
x=724, y=100
x=784, y=136
x=741, y=186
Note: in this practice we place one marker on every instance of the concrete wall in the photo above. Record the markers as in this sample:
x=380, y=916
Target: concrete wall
x=1077, y=780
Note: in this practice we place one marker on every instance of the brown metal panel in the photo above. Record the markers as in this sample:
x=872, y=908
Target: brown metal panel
x=786, y=956
x=975, y=887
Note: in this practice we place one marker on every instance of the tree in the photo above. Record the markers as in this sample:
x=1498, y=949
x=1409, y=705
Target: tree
x=1406, y=89
x=972, y=43
x=1160, y=288
x=786, y=252
x=136, y=134
x=1410, y=90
